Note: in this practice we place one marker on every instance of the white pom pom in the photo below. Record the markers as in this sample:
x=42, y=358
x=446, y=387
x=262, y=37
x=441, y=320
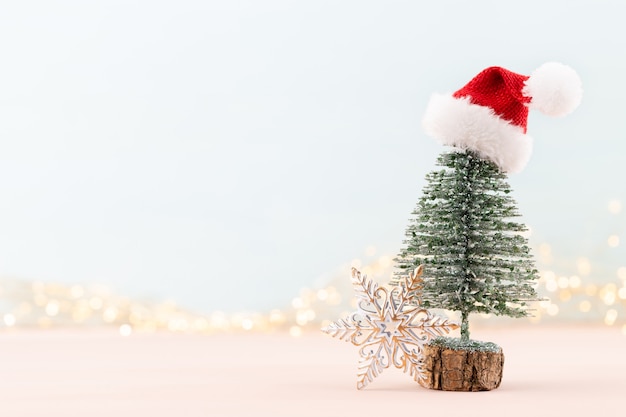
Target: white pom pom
x=555, y=89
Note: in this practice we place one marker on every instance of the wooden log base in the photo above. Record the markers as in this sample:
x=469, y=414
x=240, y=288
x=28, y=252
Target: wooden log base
x=461, y=370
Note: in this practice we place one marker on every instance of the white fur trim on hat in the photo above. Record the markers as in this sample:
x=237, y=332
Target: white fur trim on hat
x=457, y=122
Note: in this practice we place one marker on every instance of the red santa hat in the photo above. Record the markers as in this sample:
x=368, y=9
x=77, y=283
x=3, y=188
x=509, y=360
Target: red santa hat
x=489, y=114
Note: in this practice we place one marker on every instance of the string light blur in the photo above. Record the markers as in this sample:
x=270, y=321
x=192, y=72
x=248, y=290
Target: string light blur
x=583, y=294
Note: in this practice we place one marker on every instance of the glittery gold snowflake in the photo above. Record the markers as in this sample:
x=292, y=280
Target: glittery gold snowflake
x=388, y=330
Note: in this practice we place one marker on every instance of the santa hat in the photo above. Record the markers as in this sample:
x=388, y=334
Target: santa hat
x=489, y=115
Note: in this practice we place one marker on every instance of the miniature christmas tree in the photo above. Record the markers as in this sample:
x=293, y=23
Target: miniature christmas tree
x=476, y=259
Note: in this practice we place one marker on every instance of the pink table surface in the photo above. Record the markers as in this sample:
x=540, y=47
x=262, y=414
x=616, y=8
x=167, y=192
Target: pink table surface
x=549, y=371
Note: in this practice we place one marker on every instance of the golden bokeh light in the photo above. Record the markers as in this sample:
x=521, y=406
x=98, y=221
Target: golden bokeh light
x=584, y=266
x=577, y=294
x=126, y=330
x=615, y=206
x=585, y=306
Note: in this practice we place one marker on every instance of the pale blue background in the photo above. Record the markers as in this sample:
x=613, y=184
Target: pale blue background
x=224, y=154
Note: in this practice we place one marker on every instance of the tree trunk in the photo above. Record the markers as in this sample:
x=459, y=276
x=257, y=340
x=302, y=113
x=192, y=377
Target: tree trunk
x=461, y=370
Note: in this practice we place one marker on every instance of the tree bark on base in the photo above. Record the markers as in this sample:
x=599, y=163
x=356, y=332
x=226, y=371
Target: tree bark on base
x=461, y=370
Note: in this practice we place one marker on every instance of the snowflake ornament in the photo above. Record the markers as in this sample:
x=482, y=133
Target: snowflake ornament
x=387, y=329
